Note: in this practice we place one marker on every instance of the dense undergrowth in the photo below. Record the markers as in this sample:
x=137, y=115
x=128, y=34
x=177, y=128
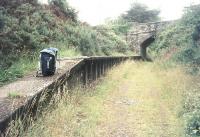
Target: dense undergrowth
x=180, y=41
x=180, y=44
x=26, y=27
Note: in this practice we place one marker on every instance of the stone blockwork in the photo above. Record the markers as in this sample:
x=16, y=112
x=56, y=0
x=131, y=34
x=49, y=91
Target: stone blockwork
x=141, y=33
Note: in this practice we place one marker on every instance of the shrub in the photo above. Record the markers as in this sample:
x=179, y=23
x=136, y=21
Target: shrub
x=28, y=27
x=193, y=124
x=180, y=43
x=65, y=9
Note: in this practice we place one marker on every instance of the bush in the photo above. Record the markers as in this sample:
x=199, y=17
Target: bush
x=192, y=112
x=193, y=124
x=179, y=43
x=119, y=26
x=180, y=39
x=29, y=27
x=65, y=9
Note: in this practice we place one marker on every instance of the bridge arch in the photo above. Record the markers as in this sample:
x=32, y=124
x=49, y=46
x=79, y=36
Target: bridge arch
x=143, y=47
x=141, y=35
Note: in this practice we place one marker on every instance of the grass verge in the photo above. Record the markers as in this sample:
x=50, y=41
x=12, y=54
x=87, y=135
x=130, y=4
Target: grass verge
x=134, y=99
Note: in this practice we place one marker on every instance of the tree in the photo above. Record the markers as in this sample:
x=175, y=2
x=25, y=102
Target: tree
x=141, y=13
x=62, y=4
x=2, y=22
x=118, y=25
x=191, y=15
x=68, y=11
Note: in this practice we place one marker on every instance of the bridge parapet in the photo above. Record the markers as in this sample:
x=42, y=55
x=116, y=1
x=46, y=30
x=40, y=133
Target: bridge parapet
x=139, y=28
x=141, y=33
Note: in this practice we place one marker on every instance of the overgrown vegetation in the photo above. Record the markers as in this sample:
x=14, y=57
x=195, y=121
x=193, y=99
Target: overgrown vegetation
x=180, y=43
x=141, y=13
x=26, y=27
x=149, y=107
x=14, y=95
x=137, y=12
x=74, y=114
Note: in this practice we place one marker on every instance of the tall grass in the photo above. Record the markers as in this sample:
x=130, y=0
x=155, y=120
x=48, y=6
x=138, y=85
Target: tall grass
x=76, y=114
x=17, y=70
x=166, y=93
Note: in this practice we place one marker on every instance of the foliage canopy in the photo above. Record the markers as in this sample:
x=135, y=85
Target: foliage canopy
x=140, y=13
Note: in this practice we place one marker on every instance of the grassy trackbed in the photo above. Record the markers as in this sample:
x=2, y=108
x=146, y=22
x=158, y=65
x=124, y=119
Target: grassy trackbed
x=133, y=100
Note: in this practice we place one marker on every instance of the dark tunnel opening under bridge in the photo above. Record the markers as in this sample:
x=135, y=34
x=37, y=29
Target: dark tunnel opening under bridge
x=143, y=48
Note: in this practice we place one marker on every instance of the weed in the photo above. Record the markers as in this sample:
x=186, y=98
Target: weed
x=157, y=90
x=14, y=95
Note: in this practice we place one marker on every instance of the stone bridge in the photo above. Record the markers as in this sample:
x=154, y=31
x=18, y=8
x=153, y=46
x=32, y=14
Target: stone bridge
x=141, y=35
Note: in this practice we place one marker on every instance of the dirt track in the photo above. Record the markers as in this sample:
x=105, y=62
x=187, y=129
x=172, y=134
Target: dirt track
x=145, y=103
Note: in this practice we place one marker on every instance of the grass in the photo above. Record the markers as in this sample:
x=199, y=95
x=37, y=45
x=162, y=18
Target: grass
x=73, y=116
x=65, y=51
x=25, y=65
x=17, y=70
x=156, y=97
x=134, y=99
x=43, y=28
x=69, y=53
x=76, y=115
x=13, y=95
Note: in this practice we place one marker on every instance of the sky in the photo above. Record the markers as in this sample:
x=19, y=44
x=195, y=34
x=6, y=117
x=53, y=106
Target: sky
x=96, y=11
